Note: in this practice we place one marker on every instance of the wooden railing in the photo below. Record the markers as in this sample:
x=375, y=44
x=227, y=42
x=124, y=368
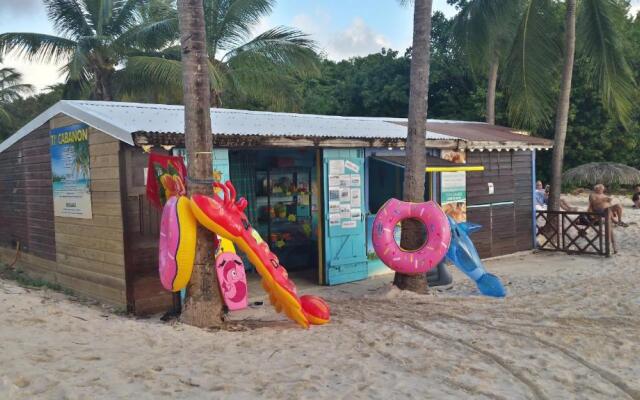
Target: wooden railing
x=575, y=232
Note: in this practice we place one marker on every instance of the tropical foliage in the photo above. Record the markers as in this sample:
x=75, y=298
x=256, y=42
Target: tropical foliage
x=378, y=85
x=243, y=66
x=90, y=42
x=129, y=49
x=11, y=89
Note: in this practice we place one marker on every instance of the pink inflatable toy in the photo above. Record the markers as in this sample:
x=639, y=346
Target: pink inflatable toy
x=426, y=257
x=233, y=280
x=177, y=246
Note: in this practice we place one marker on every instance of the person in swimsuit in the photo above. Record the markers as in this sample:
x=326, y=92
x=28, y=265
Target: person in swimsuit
x=600, y=202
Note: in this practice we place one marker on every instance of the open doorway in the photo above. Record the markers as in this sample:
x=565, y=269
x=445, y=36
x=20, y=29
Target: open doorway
x=280, y=187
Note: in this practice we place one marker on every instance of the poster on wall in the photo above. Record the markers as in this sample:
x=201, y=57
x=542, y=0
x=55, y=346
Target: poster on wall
x=70, y=170
x=453, y=195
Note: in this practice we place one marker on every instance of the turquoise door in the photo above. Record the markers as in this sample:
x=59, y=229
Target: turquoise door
x=344, y=219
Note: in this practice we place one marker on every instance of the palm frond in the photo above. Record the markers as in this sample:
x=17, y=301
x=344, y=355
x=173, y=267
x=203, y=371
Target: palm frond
x=11, y=88
x=98, y=13
x=279, y=47
x=125, y=12
x=145, y=71
x=148, y=73
x=599, y=40
x=267, y=85
x=5, y=117
x=484, y=27
x=68, y=17
x=532, y=66
x=229, y=22
x=37, y=46
x=151, y=35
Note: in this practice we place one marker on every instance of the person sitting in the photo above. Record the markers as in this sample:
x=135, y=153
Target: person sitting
x=540, y=197
x=599, y=203
x=564, y=205
x=636, y=197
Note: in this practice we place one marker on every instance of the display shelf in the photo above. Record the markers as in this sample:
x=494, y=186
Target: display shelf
x=280, y=193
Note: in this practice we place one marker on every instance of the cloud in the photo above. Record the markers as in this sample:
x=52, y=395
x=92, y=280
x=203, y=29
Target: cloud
x=10, y=8
x=635, y=8
x=39, y=75
x=357, y=39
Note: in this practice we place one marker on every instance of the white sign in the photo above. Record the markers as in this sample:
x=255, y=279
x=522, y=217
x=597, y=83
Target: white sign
x=356, y=200
x=345, y=212
x=344, y=194
x=336, y=167
x=334, y=206
x=352, y=166
x=334, y=219
x=453, y=195
x=345, y=180
x=334, y=180
x=355, y=180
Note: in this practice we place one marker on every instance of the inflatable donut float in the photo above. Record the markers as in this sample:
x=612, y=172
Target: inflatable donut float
x=417, y=261
x=177, y=247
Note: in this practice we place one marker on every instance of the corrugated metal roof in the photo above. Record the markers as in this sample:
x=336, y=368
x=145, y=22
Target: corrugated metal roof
x=121, y=120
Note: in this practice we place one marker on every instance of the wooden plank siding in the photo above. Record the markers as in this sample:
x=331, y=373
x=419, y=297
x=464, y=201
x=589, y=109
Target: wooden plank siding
x=506, y=228
x=26, y=205
x=90, y=252
x=142, y=230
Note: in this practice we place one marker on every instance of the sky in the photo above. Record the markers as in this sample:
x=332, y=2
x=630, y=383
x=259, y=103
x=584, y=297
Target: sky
x=342, y=28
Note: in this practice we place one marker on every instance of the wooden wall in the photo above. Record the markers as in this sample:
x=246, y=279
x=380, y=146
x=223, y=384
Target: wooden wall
x=507, y=228
x=26, y=204
x=142, y=227
x=90, y=252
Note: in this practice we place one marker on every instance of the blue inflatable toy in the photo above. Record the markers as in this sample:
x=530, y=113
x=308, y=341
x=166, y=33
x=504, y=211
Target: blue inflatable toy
x=463, y=254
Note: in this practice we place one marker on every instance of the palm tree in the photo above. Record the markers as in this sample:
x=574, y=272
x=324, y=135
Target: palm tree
x=263, y=67
x=412, y=235
x=90, y=42
x=535, y=54
x=591, y=29
x=485, y=30
x=203, y=304
x=10, y=89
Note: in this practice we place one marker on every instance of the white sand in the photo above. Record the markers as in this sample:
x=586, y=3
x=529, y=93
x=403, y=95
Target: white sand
x=570, y=328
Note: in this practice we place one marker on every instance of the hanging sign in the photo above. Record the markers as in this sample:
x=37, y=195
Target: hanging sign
x=453, y=195
x=71, y=171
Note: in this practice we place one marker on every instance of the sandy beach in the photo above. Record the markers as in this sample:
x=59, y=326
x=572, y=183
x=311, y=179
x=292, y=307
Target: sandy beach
x=569, y=328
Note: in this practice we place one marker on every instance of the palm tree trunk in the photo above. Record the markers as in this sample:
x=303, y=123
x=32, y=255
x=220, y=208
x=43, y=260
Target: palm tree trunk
x=414, y=175
x=562, y=112
x=491, y=91
x=203, y=304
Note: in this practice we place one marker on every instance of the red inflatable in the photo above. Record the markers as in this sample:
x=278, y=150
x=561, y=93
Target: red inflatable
x=226, y=218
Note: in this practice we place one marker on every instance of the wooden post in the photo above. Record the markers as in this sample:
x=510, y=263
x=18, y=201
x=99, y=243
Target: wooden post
x=203, y=305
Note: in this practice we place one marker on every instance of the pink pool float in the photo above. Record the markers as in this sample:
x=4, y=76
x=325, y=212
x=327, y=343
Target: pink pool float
x=417, y=261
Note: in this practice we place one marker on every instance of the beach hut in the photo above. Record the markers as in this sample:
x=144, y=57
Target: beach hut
x=314, y=184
